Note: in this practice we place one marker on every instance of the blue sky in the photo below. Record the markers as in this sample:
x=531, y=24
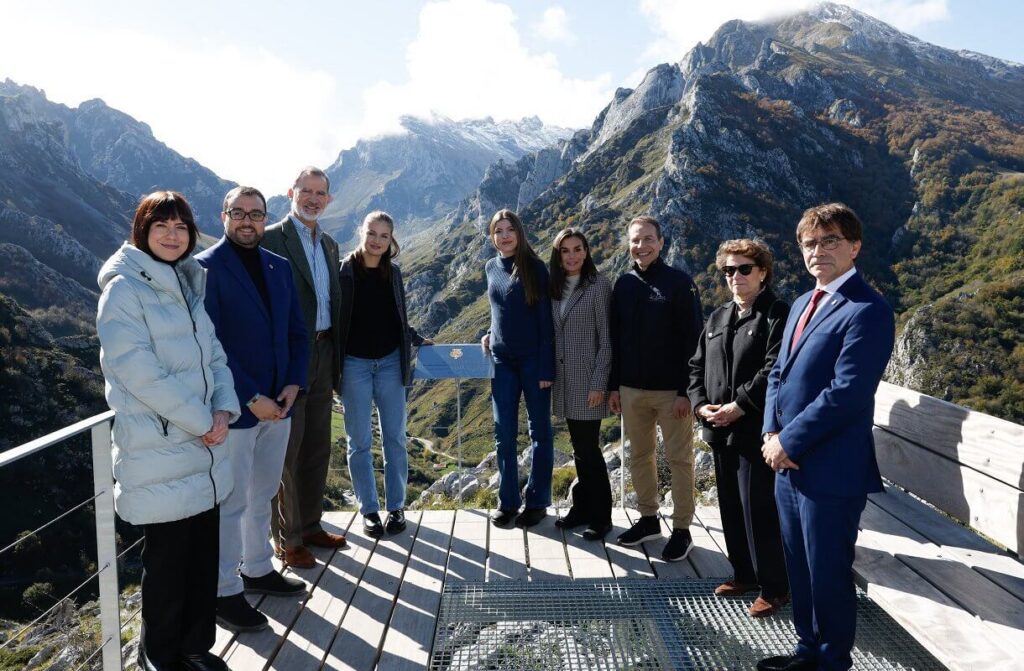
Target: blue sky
x=255, y=90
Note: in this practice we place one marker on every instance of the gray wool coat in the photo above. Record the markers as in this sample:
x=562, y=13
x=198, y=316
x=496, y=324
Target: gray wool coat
x=583, y=349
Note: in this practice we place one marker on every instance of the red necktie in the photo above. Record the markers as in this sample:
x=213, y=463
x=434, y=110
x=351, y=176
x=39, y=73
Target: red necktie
x=805, y=318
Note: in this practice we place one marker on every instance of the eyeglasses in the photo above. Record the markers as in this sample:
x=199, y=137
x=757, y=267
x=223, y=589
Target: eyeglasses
x=827, y=243
x=238, y=214
x=745, y=269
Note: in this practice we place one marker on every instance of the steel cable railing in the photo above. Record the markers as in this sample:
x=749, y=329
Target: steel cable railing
x=14, y=637
x=107, y=556
x=25, y=537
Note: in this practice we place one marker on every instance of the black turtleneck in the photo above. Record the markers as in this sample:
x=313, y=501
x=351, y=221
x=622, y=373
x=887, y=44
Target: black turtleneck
x=250, y=257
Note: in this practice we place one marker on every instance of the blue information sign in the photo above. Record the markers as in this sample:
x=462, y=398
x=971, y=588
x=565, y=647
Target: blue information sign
x=434, y=362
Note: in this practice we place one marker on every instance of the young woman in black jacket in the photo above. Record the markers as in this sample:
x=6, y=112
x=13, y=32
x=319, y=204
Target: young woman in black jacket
x=728, y=380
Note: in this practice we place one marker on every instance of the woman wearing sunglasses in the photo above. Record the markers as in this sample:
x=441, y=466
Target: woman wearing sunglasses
x=728, y=380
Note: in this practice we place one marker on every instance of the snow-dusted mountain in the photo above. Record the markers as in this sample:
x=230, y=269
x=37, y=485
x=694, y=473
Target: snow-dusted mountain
x=421, y=173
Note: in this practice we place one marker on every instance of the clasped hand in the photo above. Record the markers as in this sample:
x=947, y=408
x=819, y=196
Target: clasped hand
x=720, y=414
x=775, y=456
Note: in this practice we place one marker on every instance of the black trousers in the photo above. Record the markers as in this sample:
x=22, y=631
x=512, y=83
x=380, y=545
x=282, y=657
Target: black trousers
x=179, y=587
x=750, y=518
x=592, y=493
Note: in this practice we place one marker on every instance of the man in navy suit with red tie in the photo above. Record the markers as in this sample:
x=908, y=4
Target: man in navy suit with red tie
x=818, y=415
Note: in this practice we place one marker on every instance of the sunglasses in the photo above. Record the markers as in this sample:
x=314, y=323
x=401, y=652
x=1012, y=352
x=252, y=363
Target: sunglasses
x=744, y=269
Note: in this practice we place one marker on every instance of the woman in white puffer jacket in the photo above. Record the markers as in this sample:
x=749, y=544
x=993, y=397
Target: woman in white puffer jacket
x=172, y=394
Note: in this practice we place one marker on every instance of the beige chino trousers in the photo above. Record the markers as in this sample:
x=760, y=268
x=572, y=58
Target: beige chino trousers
x=642, y=412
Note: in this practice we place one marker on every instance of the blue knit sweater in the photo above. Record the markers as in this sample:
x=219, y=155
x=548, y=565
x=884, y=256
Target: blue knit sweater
x=519, y=330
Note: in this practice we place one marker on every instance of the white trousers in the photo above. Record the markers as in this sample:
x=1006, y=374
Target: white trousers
x=257, y=459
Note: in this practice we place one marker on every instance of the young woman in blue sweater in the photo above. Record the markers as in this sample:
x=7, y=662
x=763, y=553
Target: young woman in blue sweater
x=521, y=342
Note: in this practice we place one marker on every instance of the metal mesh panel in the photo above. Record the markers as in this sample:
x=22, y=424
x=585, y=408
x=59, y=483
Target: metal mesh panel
x=634, y=624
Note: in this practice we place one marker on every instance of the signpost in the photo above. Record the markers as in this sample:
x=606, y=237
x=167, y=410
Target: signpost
x=460, y=361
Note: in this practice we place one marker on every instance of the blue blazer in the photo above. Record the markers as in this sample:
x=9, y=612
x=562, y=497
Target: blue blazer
x=821, y=396
x=260, y=346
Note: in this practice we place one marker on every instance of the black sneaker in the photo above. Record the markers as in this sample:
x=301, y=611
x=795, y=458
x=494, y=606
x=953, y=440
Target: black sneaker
x=203, y=661
x=372, y=526
x=530, y=517
x=396, y=521
x=235, y=614
x=273, y=584
x=678, y=546
x=571, y=519
x=501, y=517
x=596, y=532
x=646, y=529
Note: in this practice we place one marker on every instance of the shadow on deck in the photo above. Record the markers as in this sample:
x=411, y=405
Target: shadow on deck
x=514, y=600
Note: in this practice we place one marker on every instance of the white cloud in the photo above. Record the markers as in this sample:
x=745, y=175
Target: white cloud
x=468, y=60
x=680, y=25
x=554, y=26
x=214, y=103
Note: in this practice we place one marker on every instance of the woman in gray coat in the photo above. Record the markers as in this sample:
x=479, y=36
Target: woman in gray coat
x=172, y=394
x=580, y=299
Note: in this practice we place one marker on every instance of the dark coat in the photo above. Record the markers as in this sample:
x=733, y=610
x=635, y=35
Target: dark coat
x=583, y=349
x=409, y=335
x=655, y=324
x=733, y=359
x=263, y=347
x=282, y=239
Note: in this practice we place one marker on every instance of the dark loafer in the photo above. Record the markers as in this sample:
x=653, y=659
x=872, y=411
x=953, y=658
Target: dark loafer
x=502, y=518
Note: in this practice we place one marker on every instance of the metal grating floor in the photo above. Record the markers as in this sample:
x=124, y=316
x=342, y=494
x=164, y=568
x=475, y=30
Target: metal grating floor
x=634, y=624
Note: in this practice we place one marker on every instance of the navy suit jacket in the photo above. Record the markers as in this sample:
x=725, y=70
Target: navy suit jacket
x=821, y=396
x=261, y=346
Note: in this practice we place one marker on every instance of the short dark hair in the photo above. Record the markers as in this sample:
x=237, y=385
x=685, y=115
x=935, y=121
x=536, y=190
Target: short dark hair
x=822, y=217
x=648, y=220
x=588, y=271
x=242, y=191
x=313, y=171
x=752, y=249
x=162, y=206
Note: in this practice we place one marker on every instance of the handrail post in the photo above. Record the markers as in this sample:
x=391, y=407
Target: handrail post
x=106, y=547
x=458, y=423
x=622, y=461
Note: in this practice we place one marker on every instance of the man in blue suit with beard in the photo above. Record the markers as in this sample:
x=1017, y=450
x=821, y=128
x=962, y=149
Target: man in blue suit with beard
x=252, y=301
x=818, y=416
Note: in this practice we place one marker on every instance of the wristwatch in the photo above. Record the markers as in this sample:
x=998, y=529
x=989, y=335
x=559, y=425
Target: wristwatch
x=253, y=400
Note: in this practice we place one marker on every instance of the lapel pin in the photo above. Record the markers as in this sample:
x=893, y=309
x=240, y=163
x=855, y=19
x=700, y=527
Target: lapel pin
x=270, y=265
x=750, y=332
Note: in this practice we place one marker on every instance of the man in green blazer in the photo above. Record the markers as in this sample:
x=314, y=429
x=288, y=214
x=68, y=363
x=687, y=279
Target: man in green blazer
x=313, y=255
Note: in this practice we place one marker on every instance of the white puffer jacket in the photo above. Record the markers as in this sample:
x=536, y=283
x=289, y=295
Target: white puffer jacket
x=166, y=374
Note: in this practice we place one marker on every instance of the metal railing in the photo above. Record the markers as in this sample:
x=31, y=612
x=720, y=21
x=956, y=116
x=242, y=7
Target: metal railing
x=99, y=427
x=107, y=556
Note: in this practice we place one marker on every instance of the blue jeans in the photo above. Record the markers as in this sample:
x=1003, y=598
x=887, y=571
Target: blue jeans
x=366, y=382
x=514, y=378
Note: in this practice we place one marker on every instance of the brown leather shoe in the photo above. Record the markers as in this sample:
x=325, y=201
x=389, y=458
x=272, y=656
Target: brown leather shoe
x=767, y=607
x=325, y=539
x=732, y=588
x=299, y=557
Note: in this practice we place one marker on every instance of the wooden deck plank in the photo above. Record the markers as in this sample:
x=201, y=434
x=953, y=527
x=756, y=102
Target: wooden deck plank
x=545, y=549
x=410, y=632
x=361, y=631
x=950, y=633
x=710, y=519
x=988, y=505
x=996, y=608
x=467, y=558
x=958, y=542
x=627, y=562
x=587, y=559
x=671, y=569
x=984, y=443
x=506, y=554
x=707, y=557
x=314, y=628
x=250, y=650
